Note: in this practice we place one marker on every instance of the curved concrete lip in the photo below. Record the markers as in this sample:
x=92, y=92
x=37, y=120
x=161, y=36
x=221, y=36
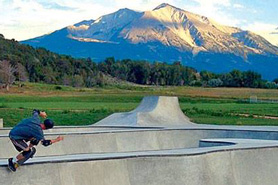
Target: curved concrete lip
x=97, y=132
x=231, y=145
x=96, y=126
x=142, y=129
x=241, y=143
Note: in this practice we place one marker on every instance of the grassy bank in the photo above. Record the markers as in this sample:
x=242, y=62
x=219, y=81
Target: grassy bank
x=71, y=106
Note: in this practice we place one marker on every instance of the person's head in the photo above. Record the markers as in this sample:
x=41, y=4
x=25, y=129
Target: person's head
x=47, y=124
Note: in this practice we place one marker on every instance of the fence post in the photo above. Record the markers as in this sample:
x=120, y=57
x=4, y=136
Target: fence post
x=1, y=123
x=253, y=99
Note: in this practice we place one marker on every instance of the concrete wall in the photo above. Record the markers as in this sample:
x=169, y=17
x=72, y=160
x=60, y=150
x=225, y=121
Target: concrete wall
x=133, y=141
x=68, y=129
x=1, y=123
x=112, y=142
x=243, y=167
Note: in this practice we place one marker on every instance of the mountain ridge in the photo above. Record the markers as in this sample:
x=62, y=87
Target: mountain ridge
x=166, y=33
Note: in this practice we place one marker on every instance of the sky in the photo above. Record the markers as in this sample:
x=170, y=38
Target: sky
x=25, y=19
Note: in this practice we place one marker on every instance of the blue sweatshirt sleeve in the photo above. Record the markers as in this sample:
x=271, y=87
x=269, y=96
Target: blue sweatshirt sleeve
x=36, y=112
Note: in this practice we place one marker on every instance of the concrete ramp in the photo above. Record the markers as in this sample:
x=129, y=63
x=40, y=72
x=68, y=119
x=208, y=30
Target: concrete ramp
x=247, y=162
x=152, y=111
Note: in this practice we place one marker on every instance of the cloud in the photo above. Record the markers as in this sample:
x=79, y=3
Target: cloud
x=21, y=19
x=238, y=6
x=216, y=10
x=212, y=3
x=141, y=5
x=265, y=30
x=260, y=26
x=54, y=5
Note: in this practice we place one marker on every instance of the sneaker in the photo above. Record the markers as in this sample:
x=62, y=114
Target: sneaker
x=16, y=165
x=11, y=165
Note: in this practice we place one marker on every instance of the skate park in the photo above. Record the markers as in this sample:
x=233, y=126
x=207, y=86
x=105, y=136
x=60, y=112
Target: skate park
x=156, y=143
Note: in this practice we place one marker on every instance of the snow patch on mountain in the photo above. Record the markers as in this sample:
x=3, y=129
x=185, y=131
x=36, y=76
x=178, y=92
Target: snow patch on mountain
x=105, y=27
x=78, y=28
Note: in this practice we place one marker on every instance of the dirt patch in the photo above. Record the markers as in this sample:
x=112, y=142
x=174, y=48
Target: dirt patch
x=259, y=116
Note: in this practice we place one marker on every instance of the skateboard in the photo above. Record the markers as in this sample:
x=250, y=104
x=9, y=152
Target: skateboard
x=22, y=161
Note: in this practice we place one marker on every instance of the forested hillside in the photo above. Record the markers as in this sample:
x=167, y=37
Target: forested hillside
x=41, y=65
x=19, y=62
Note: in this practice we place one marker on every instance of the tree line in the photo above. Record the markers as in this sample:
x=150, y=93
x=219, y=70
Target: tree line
x=22, y=63
x=146, y=73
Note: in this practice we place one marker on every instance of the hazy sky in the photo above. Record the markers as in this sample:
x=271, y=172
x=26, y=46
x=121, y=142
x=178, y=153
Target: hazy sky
x=24, y=19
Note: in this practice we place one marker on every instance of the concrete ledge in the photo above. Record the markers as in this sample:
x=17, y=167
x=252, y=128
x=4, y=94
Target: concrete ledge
x=137, y=140
x=115, y=129
x=202, y=166
x=238, y=144
x=80, y=129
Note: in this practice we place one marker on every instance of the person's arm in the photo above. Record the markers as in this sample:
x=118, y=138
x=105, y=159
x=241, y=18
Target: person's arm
x=37, y=112
x=50, y=142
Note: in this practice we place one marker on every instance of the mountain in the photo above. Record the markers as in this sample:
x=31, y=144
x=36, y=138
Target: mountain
x=168, y=34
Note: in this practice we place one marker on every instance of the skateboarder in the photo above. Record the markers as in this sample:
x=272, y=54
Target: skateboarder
x=29, y=130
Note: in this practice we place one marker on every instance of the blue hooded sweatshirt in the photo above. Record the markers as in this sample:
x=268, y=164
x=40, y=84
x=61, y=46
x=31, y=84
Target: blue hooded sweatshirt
x=28, y=129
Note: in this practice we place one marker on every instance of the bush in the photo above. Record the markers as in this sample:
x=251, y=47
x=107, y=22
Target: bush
x=65, y=112
x=58, y=88
x=271, y=85
x=196, y=83
x=4, y=106
x=215, y=83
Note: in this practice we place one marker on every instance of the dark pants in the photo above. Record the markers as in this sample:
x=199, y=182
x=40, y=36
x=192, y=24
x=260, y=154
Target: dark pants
x=19, y=144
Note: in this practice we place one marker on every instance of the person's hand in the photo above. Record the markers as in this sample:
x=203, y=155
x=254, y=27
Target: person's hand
x=59, y=138
x=43, y=114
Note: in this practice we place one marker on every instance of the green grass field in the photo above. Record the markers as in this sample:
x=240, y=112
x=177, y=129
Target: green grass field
x=69, y=106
